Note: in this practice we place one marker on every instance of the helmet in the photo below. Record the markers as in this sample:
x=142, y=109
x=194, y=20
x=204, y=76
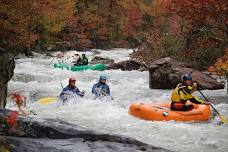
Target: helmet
x=72, y=79
x=103, y=77
x=187, y=77
x=83, y=54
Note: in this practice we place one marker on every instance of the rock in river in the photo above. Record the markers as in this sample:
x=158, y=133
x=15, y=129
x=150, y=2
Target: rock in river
x=166, y=73
x=50, y=135
x=128, y=65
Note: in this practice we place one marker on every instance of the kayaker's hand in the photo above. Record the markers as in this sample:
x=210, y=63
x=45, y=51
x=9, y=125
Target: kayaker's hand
x=83, y=92
x=195, y=85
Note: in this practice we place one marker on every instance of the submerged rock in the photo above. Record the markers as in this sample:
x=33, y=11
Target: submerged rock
x=166, y=73
x=7, y=65
x=128, y=65
x=35, y=135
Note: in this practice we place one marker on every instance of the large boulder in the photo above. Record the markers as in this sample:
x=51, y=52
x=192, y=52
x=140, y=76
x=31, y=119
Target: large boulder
x=7, y=66
x=52, y=135
x=128, y=65
x=166, y=73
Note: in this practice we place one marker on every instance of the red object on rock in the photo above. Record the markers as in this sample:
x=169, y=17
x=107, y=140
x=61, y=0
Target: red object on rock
x=12, y=119
x=18, y=99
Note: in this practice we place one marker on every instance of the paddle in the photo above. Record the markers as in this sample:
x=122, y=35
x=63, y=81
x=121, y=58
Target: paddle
x=222, y=118
x=49, y=100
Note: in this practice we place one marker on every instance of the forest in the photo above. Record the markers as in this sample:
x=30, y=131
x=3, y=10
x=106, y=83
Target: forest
x=193, y=31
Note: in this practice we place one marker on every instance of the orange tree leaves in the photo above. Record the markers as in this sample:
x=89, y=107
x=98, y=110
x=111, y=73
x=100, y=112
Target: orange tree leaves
x=25, y=21
x=221, y=66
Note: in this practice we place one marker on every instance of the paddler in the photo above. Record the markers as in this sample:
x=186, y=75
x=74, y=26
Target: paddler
x=183, y=93
x=101, y=88
x=77, y=59
x=71, y=88
x=84, y=59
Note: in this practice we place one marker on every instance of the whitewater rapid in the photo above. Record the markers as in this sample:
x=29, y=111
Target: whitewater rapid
x=36, y=78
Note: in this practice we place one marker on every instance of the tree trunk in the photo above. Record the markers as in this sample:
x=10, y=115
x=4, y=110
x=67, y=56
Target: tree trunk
x=7, y=66
x=3, y=95
x=226, y=76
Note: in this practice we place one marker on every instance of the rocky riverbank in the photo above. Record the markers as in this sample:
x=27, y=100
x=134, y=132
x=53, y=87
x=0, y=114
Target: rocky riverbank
x=36, y=135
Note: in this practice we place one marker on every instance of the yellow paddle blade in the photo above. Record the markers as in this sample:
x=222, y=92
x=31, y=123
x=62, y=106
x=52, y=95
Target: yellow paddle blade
x=49, y=100
x=223, y=119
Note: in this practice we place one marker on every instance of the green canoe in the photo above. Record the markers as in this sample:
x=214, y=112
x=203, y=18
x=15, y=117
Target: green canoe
x=98, y=67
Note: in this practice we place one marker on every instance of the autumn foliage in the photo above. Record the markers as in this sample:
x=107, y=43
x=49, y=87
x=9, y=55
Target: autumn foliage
x=189, y=30
x=194, y=31
x=24, y=22
x=220, y=67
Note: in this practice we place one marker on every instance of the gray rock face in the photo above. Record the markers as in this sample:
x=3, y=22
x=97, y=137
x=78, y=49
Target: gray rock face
x=75, y=145
x=166, y=73
x=128, y=65
x=7, y=66
x=35, y=135
x=102, y=60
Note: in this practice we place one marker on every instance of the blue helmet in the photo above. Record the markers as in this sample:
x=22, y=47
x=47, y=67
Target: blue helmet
x=103, y=77
x=187, y=77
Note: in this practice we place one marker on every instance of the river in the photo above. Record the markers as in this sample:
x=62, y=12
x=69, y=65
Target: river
x=36, y=78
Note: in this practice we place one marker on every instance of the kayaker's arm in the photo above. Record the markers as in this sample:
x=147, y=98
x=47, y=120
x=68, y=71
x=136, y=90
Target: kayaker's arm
x=94, y=91
x=197, y=100
x=184, y=96
x=108, y=90
x=63, y=92
x=79, y=93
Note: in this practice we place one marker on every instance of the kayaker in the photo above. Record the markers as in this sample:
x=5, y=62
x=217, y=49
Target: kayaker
x=84, y=59
x=77, y=59
x=183, y=93
x=101, y=88
x=71, y=88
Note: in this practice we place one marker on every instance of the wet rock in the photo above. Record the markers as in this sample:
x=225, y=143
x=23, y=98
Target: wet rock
x=7, y=66
x=166, y=73
x=128, y=65
x=98, y=59
x=74, y=145
x=52, y=135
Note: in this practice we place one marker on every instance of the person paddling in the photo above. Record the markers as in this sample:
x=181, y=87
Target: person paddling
x=101, y=88
x=84, y=59
x=77, y=59
x=71, y=88
x=183, y=93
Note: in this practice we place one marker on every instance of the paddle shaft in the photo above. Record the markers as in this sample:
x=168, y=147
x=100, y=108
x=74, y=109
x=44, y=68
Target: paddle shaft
x=61, y=85
x=208, y=101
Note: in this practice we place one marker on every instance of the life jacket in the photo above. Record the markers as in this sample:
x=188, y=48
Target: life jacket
x=182, y=93
x=84, y=61
x=102, y=87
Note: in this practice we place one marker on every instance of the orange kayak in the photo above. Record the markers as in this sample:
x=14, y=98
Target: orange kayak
x=162, y=112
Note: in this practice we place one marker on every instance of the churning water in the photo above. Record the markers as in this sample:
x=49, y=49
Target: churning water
x=36, y=78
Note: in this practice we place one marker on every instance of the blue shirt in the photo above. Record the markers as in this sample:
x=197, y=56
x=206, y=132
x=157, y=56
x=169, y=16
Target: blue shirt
x=102, y=87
